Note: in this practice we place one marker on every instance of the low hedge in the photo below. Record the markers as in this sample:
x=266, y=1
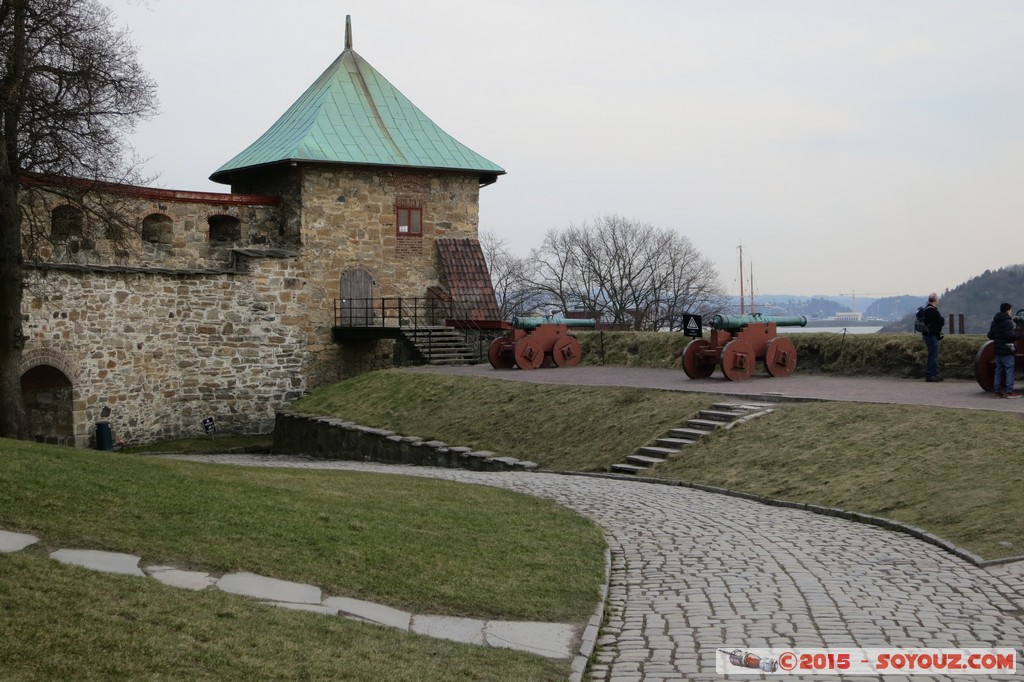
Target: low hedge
x=842, y=353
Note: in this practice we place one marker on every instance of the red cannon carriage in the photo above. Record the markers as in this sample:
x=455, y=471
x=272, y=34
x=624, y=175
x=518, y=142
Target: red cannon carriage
x=536, y=341
x=737, y=342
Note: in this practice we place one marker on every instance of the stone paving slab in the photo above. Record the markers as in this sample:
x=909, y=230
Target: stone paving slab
x=269, y=589
x=466, y=630
x=15, y=542
x=551, y=640
x=108, y=562
x=312, y=608
x=369, y=611
x=174, y=577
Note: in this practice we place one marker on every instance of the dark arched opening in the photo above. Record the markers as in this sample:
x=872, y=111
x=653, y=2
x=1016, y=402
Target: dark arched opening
x=47, y=394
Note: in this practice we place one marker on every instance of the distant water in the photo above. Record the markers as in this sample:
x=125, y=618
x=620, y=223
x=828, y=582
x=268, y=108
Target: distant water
x=829, y=330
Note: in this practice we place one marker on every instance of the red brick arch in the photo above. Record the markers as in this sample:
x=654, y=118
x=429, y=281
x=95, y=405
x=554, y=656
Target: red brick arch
x=46, y=356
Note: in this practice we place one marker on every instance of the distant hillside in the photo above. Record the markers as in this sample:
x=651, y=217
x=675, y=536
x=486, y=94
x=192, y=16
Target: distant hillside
x=825, y=307
x=978, y=299
x=814, y=308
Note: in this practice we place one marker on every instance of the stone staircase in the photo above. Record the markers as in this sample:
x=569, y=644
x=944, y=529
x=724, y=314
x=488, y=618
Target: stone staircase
x=441, y=346
x=718, y=416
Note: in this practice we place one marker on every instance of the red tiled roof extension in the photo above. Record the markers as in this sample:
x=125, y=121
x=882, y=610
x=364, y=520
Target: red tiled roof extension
x=464, y=270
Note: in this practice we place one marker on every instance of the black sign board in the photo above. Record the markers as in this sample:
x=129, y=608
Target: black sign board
x=209, y=426
x=692, y=326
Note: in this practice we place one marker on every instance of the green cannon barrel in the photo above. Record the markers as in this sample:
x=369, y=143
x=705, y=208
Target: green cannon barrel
x=534, y=322
x=734, y=323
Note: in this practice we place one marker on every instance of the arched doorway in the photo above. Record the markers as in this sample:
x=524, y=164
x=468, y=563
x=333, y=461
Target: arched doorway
x=356, y=301
x=48, y=397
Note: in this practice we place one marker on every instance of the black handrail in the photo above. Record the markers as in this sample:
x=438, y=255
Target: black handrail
x=404, y=312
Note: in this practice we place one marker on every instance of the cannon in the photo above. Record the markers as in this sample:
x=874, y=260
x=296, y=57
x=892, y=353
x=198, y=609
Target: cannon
x=536, y=341
x=985, y=360
x=737, y=342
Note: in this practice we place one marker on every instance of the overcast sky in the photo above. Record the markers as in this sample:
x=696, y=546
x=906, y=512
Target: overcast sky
x=867, y=147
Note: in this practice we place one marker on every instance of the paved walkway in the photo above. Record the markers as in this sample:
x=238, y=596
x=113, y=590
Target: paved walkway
x=693, y=572
x=960, y=393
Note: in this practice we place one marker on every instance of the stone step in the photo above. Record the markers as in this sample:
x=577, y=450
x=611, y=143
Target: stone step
x=744, y=407
x=644, y=460
x=704, y=424
x=676, y=443
x=688, y=434
x=721, y=415
x=655, y=451
x=627, y=468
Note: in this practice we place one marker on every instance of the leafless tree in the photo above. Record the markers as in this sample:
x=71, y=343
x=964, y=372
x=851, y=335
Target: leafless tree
x=71, y=87
x=628, y=274
x=509, y=276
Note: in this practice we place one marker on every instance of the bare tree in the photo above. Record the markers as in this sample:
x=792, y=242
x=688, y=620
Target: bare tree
x=627, y=274
x=71, y=87
x=510, y=278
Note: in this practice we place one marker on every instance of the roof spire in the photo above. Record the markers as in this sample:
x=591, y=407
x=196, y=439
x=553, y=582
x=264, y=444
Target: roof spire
x=348, y=31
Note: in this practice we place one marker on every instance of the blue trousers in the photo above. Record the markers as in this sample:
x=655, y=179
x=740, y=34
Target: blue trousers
x=1004, y=374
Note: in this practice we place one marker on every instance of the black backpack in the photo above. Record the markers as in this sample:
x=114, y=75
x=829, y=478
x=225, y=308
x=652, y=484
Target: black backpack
x=919, y=324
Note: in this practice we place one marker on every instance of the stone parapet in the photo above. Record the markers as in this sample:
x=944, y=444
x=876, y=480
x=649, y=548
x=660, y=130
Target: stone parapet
x=333, y=438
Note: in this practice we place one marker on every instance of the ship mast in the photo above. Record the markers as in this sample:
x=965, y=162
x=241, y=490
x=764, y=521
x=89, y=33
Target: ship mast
x=742, y=296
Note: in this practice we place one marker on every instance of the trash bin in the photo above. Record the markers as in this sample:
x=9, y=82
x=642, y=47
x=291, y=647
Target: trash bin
x=104, y=436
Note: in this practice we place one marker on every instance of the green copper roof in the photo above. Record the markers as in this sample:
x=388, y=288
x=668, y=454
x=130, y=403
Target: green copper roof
x=353, y=115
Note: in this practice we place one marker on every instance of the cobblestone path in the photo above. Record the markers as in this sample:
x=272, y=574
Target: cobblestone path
x=693, y=572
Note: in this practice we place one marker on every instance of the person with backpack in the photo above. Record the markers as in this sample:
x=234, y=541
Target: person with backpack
x=930, y=323
x=1003, y=333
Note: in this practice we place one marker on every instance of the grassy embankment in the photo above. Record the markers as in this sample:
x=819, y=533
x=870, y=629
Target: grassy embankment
x=418, y=545
x=952, y=472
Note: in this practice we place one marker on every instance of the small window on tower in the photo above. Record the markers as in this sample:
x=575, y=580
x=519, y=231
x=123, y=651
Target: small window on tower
x=410, y=221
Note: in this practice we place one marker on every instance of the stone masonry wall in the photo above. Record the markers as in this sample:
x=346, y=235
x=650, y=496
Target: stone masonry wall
x=183, y=326
x=154, y=353
x=348, y=221
x=180, y=236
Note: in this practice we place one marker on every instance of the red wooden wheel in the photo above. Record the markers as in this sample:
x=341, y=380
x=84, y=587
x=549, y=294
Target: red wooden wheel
x=738, y=360
x=985, y=365
x=500, y=354
x=696, y=362
x=566, y=352
x=780, y=357
x=528, y=354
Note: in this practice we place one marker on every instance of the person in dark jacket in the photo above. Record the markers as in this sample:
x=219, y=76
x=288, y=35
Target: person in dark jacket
x=932, y=335
x=1003, y=333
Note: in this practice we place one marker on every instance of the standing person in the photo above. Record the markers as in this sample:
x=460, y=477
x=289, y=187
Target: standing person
x=932, y=335
x=1004, y=337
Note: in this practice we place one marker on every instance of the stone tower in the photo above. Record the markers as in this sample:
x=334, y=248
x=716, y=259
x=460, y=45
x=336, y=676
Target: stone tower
x=229, y=306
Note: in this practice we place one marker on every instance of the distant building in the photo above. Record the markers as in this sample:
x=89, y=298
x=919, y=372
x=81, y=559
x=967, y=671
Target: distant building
x=849, y=317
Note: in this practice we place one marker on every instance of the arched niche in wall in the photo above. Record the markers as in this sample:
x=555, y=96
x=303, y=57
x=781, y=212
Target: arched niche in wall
x=224, y=228
x=66, y=222
x=47, y=394
x=157, y=229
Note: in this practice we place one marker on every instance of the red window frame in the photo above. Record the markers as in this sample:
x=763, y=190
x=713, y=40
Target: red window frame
x=409, y=221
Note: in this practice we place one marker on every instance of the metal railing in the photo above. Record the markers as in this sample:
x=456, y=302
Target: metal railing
x=390, y=311
x=412, y=314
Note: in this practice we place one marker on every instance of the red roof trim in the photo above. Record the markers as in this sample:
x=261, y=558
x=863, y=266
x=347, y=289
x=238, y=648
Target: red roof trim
x=154, y=194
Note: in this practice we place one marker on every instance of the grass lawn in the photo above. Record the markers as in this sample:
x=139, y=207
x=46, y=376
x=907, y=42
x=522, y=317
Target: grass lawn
x=429, y=547
x=68, y=623
x=956, y=473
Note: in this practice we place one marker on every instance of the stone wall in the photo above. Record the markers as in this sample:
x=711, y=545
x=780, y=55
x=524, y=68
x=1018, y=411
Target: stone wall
x=164, y=307
x=143, y=227
x=154, y=353
x=328, y=438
